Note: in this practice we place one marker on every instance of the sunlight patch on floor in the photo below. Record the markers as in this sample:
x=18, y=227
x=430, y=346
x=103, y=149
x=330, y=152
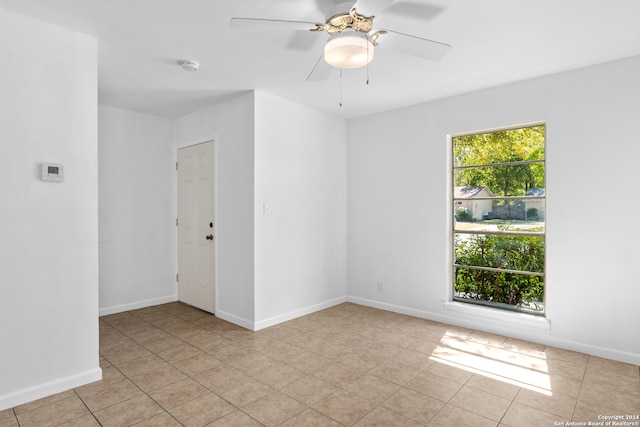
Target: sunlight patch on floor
x=522, y=370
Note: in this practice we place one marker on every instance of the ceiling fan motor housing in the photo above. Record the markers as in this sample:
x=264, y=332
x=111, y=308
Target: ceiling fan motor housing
x=351, y=20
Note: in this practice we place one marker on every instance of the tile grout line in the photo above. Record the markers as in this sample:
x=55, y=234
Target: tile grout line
x=126, y=378
x=510, y=405
x=169, y=363
x=582, y=385
x=85, y=405
x=236, y=408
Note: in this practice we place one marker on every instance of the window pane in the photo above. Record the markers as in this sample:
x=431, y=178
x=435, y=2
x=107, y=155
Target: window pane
x=522, y=253
x=499, y=181
x=500, y=147
x=500, y=215
x=510, y=290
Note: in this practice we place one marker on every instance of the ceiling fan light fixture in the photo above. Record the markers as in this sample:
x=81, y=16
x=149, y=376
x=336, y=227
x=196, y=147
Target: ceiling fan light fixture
x=348, y=49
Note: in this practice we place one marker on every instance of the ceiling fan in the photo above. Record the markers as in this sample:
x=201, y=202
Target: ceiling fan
x=352, y=38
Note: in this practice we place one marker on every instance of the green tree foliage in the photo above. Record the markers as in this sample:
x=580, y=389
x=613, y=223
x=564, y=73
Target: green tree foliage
x=501, y=252
x=484, y=150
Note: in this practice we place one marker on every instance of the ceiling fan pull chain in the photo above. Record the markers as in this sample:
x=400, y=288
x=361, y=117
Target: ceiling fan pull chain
x=368, y=60
x=341, y=87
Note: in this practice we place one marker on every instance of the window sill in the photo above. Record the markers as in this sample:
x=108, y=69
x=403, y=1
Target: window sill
x=502, y=316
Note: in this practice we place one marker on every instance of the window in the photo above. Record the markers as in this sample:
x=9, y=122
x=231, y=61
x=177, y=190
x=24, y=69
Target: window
x=498, y=203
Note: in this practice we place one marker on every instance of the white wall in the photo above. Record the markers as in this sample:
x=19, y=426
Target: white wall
x=231, y=125
x=398, y=206
x=136, y=220
x=274, y=267
x=300, y=241
x=49, y=244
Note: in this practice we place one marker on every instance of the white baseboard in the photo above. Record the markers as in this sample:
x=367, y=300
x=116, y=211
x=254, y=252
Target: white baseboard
x=272, y=321
x=138, y=304
x=297, y=313
x=486, y=323
x=49, y=388
x=396, y=309
x=236, y=320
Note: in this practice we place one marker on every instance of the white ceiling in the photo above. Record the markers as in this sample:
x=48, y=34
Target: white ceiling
x=494, y=42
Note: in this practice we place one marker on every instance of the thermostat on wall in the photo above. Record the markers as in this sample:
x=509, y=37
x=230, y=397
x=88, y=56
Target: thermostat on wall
x=51, y=172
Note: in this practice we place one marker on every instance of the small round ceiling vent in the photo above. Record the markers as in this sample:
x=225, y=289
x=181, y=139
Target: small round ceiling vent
x=189, y=65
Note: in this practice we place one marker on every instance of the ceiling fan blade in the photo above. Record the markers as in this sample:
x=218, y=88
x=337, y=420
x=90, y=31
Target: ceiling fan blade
x=258, y=23
x=371, y=7
x=320, y=71
x=414, y=10
x=413, y=45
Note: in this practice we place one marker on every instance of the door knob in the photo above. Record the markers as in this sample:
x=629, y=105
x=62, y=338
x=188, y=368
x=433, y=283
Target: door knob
x=210, y=237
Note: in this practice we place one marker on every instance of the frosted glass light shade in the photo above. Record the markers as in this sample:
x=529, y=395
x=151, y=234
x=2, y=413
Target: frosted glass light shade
x=348, y=49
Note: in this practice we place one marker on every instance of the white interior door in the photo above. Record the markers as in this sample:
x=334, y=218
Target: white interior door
x=196, y=238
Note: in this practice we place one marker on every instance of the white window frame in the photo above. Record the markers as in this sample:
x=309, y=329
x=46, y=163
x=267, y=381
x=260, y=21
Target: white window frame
x=488, y=311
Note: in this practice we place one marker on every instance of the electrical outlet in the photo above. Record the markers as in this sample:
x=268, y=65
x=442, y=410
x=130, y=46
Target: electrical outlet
x=380, y=287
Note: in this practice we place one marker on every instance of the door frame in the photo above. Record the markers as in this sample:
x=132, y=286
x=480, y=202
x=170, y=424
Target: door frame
x=176, y=147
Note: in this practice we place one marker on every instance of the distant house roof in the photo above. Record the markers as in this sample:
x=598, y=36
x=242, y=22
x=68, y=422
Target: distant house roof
x=535, y=192
x=470, y=191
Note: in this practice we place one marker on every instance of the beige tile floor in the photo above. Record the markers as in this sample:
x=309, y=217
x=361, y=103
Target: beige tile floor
x=173, y=365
